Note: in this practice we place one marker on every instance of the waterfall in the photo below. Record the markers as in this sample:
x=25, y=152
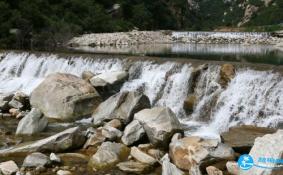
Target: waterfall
x=252, y=97
x=24, y=71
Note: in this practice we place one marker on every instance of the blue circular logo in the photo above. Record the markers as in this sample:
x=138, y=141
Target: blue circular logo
x=245, y=162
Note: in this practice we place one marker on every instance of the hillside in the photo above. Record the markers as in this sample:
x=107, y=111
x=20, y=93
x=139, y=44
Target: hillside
x=49, y=23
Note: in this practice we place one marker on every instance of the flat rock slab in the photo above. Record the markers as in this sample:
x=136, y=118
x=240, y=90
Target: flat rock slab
x=241, y=138
x=71, y=138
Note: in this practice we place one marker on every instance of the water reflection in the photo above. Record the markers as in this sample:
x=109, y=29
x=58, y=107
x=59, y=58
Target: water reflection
x=227, y=52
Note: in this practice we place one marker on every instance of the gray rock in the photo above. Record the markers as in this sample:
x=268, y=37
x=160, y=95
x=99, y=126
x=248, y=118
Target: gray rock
x=142, y=157
x=16, y=104
x=108, y=78
x=71, y=138
x=108, y=155
x=34, y=122
x=65, y=97
x=160, y=124
x=132, y=133
x=4, y=101
x=8, y=168
x=168, y=168
x=36, y=160
x=111, y=133
x=134, y=167
x=267, y=146
x=121, y=106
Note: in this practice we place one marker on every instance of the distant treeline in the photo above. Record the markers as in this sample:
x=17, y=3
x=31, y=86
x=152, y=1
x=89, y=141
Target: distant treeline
x=49, y=23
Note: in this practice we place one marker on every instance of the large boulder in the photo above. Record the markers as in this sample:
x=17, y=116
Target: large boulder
x=266, y=147
x=33, y=123
x=193, y=154
x=133, y=132
x=121, y=106
x=65, y=97
x=69, y=139
x=108, y=155
x=109, y=83
x=160, y=124
x=248, y=135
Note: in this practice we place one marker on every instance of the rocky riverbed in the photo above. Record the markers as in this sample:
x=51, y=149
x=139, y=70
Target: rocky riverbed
x=73, y=125
x=167, y=37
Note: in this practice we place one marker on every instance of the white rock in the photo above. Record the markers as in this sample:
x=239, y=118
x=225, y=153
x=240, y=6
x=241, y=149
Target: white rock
x=8, y=168
x=54, y=158
x=63, y=172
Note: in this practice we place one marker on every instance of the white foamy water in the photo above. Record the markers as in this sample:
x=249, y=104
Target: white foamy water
x=252, y=97
x=24, y=71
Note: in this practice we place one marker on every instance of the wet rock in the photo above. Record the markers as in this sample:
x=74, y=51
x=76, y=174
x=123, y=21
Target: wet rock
x=22, y=98
x=108, y=78
x=63, y=172
x=267, y=146
x=33, y=123
x=189, y=103
x=142, y=157
x=134, y=167
x=160, y=124
x=233, y=168
x=115, y=123
x=132, y=133
x=8, y=168
x=168, y=168
x=108, y=155
x=121, y=106
x=111, y=133
x=87, y=75
x=227, y=72
x=71, y=138
x=4, y=101
x=211, y=170
x=36, y=160
x=65, y=97
x=109, y=83
x=248, y=134
x=54, y=158
x=190, y=153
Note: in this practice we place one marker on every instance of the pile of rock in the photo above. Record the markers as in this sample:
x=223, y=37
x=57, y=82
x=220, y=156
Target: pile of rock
x=14, y=105
x=126, y=133
x=122, y=38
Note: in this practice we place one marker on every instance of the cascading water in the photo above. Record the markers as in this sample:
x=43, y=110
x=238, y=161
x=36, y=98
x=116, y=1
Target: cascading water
x=252, y=97
x=24, y=71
